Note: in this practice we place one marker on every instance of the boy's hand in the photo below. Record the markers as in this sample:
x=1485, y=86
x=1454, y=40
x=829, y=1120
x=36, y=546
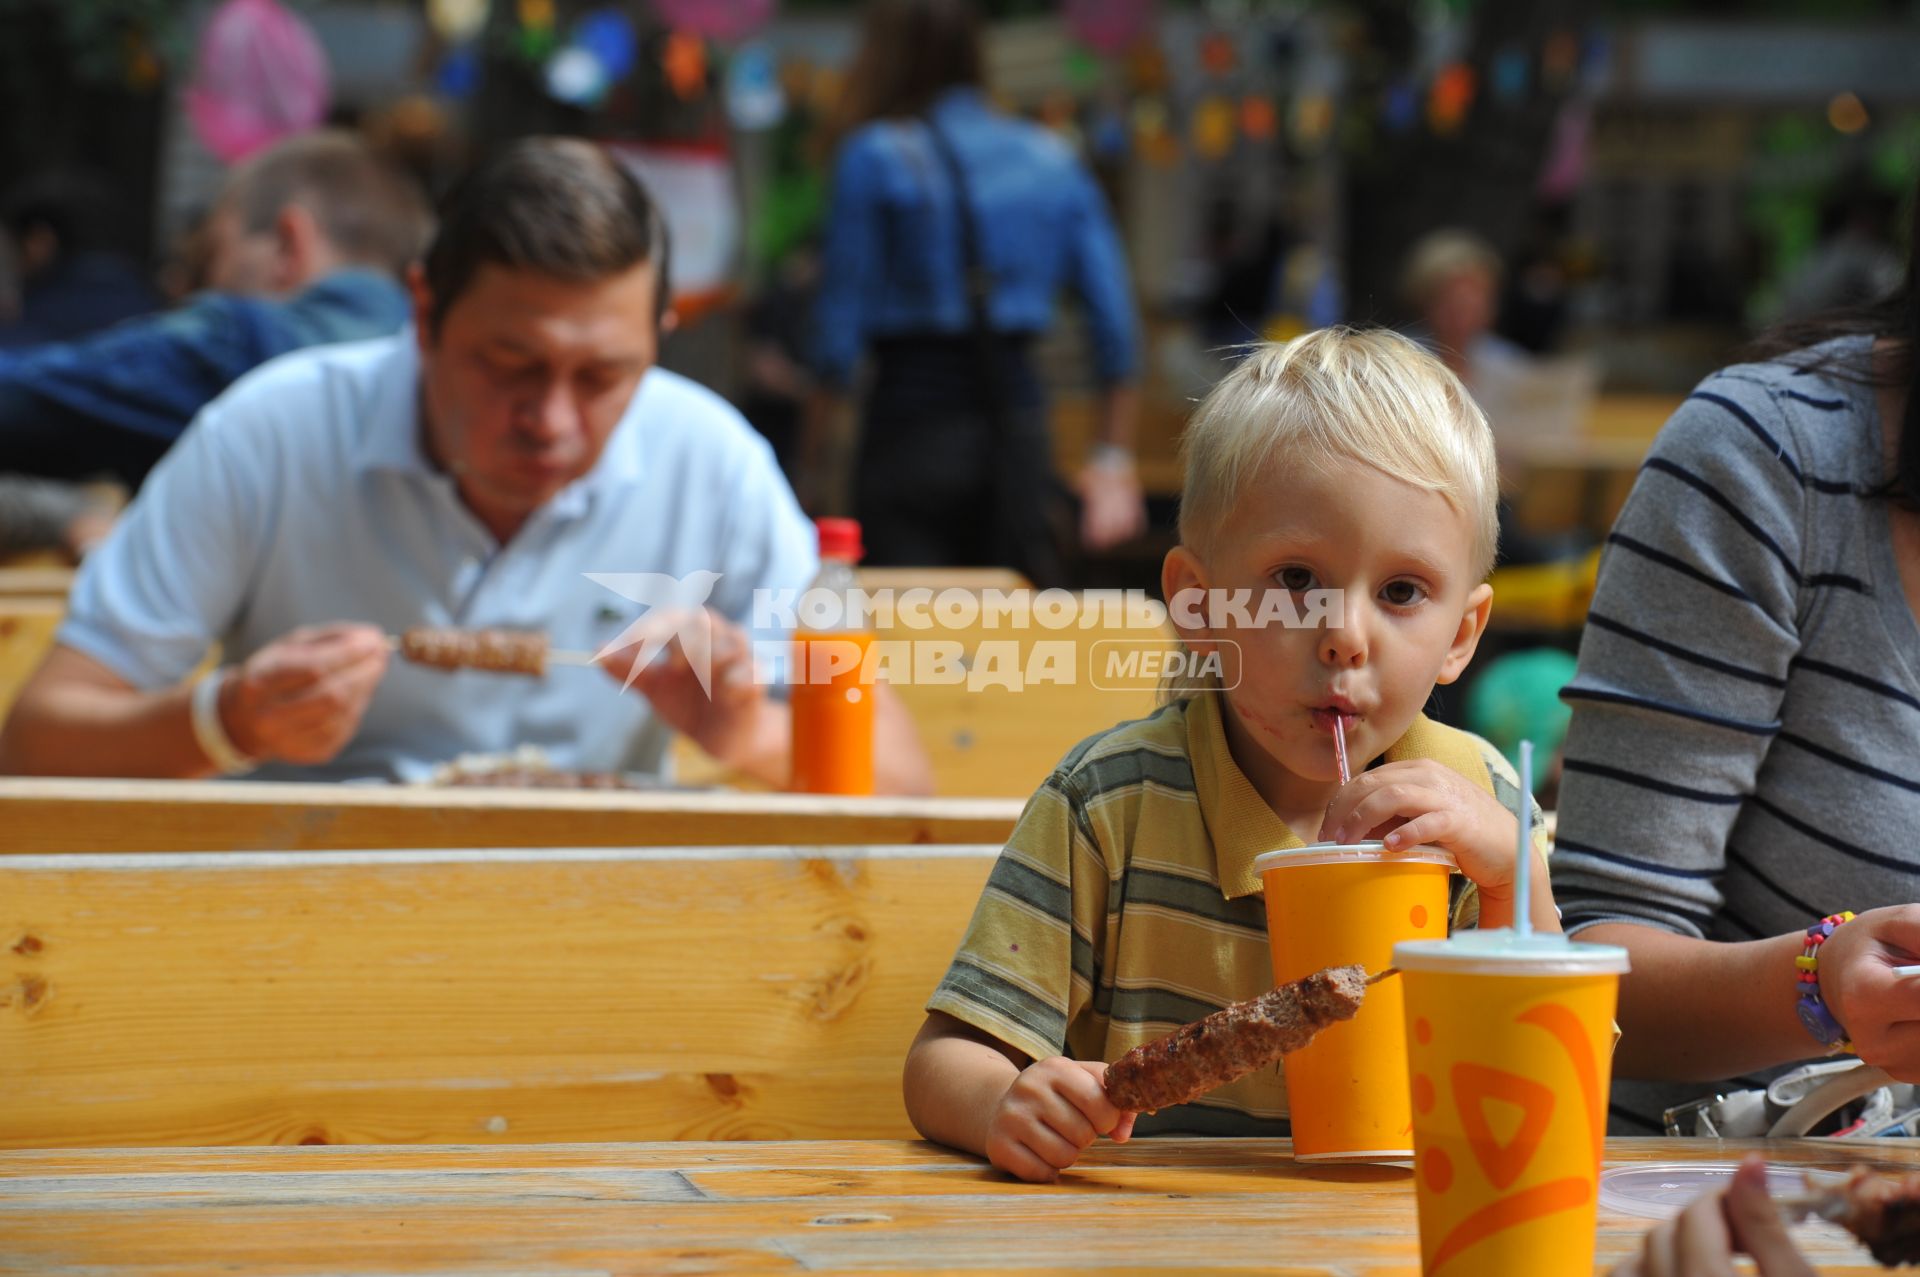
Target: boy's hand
x=1051, y=1113
x=1420, y=802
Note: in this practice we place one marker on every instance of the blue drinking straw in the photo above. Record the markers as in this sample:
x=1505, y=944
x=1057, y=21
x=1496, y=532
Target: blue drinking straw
x=1523, y=867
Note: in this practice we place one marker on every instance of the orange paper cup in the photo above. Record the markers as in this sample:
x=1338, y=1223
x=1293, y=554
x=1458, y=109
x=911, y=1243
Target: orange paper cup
x=1329, y=905
x=1510, y=1039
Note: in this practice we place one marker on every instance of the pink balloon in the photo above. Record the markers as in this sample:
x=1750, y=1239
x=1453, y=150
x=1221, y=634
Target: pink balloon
x=716, y=19
x=259, y=76
x=1108, y=26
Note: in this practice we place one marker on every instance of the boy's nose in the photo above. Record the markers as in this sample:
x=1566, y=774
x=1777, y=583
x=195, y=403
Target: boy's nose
x=1344, y=645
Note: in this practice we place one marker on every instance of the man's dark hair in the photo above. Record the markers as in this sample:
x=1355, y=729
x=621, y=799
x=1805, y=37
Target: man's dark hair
x=370, y=211
x=559, y=206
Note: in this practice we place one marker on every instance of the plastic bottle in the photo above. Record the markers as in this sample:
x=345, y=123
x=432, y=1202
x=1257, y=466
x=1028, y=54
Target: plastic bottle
x=832, y=696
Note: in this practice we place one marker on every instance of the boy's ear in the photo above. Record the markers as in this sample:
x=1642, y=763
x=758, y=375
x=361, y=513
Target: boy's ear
x=1473, y=623
x=1183, y=572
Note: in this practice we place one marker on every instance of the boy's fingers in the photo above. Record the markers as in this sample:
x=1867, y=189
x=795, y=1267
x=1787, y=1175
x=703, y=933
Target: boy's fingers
x=1017, y=1159
x=1123, y=1130
x=1395, y=799
x=1756, y=1226
x=1088, y=1091
x=1050, y=1146
x=1434, y=827
x=1701, y=1245
x=1067, y=1121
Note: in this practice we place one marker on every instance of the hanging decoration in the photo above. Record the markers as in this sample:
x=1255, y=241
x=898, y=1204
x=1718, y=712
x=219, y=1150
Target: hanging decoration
x=1400, y=107
x=575, y=76
x=1312, y=119
x=1213, y=128
x=723, y=20
x=537, y=37
x=1510, y=75
x=1082, y=69
x=1109, y=27
x=684, y=59
x=458, y=75
x=1217, y=54
x=1450, y=97
x=260, y=75
x=609, y=36
x=754, y=97
x=1258, y=119
x=456, y=21
x=1559, y=59
x=1147, y=69
x=1108, y=138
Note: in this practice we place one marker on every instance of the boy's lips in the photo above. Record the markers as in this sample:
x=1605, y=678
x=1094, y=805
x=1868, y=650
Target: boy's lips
x=1324, y=717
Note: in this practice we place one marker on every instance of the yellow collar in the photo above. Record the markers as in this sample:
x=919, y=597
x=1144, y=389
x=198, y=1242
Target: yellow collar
x=1238, y=819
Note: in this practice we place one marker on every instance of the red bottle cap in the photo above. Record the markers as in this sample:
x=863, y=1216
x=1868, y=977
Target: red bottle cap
x=840, y=539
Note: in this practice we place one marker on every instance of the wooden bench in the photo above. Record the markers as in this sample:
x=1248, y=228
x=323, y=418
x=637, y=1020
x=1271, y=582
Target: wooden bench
x=56, y=815
x=27, y=625
x=451, y=997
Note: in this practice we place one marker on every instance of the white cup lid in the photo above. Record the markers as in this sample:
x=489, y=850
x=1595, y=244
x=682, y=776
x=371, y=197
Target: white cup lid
x=1350, y=853
x=1501, y=951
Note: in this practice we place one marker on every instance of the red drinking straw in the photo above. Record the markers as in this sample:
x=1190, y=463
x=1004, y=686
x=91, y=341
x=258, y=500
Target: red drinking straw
x=1340, y=747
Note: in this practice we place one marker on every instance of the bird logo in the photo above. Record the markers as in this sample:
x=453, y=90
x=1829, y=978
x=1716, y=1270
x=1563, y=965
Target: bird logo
x=675, y=608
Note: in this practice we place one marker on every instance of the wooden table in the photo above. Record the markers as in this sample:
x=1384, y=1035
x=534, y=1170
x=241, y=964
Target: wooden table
x=820, y=1207
x=65, y=815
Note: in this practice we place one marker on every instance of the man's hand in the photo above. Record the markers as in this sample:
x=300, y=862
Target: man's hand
x=300, y=699
x=727, y=723
x=1048, y=1117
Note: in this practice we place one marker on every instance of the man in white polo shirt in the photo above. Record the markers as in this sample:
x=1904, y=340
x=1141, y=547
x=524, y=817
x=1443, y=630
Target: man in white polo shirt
x=469, y=472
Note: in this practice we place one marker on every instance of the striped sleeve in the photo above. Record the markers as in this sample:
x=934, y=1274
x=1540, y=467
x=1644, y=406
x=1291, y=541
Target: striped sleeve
x=1684, y=663
x=1025, y=968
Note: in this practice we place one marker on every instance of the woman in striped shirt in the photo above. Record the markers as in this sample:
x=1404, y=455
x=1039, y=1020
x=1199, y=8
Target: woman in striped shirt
x=1744, y=758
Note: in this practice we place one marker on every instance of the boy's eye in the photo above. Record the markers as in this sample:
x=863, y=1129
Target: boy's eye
x=1402, y=593
x=1295, y=578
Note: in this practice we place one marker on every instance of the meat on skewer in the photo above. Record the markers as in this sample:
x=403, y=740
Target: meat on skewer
x=1233, y=1041
x=1883, y=1211
x=498, y=651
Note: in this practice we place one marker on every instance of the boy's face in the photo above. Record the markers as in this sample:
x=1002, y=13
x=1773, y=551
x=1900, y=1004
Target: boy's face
x=1414, y=609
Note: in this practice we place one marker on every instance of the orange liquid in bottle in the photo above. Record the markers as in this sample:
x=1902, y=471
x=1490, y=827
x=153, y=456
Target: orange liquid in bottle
x=832, y=713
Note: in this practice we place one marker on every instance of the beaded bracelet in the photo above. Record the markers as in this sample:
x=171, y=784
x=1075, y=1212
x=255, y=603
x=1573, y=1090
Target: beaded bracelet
x=1813, y=1009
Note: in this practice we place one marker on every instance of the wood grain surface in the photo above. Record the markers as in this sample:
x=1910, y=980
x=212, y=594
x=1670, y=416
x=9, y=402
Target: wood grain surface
x=469, y=996
x=1154, y=1206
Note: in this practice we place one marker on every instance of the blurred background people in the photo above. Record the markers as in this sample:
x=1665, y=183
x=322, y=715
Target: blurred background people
x=74, y=275
x=305, y=245
x=950, y=229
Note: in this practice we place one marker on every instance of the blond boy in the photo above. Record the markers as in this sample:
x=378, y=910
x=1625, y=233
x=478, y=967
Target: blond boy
x=1124, y=903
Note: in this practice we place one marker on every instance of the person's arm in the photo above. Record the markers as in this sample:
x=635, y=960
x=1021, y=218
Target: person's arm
x=1031, y=1118
x=1683, y=666
x=76, y=717
x=850, y=275
x=1113, y=504
x=298, y=700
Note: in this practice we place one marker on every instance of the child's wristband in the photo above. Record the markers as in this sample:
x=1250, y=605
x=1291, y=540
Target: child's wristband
x=1814, y=1012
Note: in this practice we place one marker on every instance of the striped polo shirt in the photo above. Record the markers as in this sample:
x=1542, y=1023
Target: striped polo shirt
x=1125, y=903
x=1746, y=719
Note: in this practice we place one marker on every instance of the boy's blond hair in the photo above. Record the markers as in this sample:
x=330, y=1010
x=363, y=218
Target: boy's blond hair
x=1341, y=394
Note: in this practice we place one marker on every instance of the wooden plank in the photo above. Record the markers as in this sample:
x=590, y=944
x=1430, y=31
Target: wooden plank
x=27, y=626
x=479, y=996
x=973, y=579
x=35, y=582
x=62, y=815
x=1154, y=1206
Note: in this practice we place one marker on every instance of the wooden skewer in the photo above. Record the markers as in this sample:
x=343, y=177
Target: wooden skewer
x=1385, y=974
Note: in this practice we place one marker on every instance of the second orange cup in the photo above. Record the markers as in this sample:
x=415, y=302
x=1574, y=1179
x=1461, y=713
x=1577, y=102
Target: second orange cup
x=1330, y=905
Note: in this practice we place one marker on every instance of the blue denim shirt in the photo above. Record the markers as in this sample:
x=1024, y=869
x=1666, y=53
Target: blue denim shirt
x=893, y=260
x=151, y=375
